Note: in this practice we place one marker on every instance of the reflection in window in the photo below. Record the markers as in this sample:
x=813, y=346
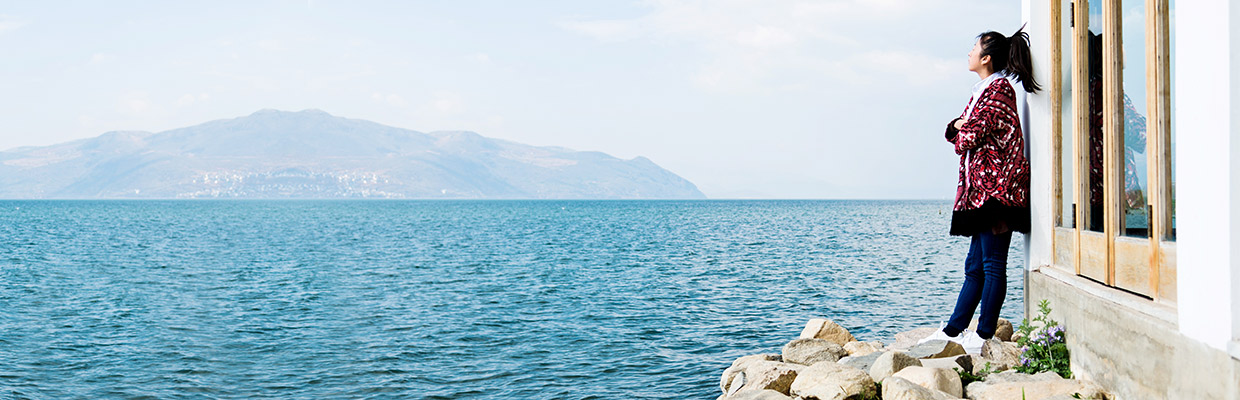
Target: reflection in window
x=1093, y=213
x=1067, y=216
x=1136, y=221
x=1170, y=230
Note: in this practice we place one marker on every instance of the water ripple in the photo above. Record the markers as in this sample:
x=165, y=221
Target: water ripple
x=448, y=300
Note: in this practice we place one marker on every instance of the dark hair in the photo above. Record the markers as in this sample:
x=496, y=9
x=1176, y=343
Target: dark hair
x=1011, y=55
x=1095, y=55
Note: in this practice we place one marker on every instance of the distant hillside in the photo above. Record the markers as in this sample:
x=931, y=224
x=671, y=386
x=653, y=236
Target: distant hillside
x=312, y=154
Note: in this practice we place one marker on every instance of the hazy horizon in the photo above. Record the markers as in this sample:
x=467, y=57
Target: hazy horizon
x=746, y=99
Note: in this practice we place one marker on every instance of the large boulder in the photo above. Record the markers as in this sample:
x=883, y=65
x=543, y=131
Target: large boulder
x=819, y=328
x=943, y=380
x=963, y=362
x=1001, y=355
x=856, y=349
x=765, y=394
x=1077, y=396
x=936, y=349
x=1034, y=390
x=831, y=381
x=861, y=362
x=762, y=375
x=896, y=388
x=739, y=365
x=812, y=351
x=1013, y=376
x=1044, y=385
x=1003, y=329
x=907, y=339
x=889, y=363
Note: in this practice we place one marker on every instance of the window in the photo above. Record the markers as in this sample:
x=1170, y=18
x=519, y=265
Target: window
x=1111, y=102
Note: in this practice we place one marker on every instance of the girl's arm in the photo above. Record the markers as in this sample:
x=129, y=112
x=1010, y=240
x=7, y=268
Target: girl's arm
x=986, y=119
x=952, y=131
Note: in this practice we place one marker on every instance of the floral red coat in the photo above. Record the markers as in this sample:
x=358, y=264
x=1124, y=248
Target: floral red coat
x=991, y=146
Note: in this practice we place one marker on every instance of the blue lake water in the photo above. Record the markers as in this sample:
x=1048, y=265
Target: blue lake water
x=447, y=299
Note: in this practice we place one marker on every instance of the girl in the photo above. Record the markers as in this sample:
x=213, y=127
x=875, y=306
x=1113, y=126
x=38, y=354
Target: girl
x=992, y=198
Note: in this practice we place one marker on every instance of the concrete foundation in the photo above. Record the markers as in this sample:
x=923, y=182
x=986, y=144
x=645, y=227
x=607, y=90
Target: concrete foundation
x=1131, y=345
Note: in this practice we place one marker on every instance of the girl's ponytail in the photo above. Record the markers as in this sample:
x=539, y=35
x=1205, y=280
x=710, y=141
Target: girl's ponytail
x=1011, y=55
x=1020, y=60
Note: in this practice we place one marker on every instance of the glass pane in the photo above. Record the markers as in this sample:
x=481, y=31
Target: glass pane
x=1067, y=212
x=1171, y=161
x=1135, y=220
x=1093, y=213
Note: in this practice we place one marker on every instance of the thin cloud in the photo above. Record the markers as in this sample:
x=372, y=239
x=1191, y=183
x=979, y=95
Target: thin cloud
x=189, y=99
x=100, y=59
x=766, y=45
x=10, y=23
x=448, y=103
x=391, y=99
x=605, y=30
x=135, y=103
x=907, y=67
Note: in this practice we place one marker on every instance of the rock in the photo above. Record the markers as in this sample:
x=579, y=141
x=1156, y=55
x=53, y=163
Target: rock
x=936, y=349
x=757, y=357
x=1001, y=355
x=1032, y=387
x=819, y=328
x=1013, y=376
x=963, y=362
x=1016, y=337
x=906, y=340
x=943, y=380
x=1100, y=395
x=889, y=363
x=862, y=348
x=811, y=351
x=765, y=394
x=980, y=364
x=896, y=388
x=739, y=364
x=1003, y=329
x=831, y=381
x=760, y=375
x=861, y=362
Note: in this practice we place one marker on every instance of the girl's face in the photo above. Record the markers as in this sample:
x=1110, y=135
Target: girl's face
x=976, y=61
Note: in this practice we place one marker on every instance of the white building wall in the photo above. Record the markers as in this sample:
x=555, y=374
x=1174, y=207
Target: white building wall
x=1206, y=181
x=1036, y=16
x=1233, y=133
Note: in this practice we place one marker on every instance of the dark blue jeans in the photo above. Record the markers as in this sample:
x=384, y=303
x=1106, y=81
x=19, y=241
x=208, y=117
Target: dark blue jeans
x=985, y=281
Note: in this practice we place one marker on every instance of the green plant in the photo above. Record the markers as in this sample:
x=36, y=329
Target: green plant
x=967, y=377
x=1044, y=347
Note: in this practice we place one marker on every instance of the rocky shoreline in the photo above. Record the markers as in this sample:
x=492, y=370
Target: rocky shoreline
x=827, y=363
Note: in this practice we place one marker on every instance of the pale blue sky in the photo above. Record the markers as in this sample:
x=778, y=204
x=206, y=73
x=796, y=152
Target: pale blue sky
x=765, y=99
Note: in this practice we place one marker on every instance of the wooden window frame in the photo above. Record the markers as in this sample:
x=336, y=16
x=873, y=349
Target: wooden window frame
x=1145, y=266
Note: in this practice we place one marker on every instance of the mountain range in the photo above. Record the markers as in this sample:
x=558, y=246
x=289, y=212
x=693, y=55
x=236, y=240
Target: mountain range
x=313, y=154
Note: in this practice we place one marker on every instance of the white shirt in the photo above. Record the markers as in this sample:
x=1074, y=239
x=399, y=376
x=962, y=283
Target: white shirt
x=978, y=88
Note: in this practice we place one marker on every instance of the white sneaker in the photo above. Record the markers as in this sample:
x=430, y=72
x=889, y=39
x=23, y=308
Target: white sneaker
x=939, y=335
x=971, y=342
